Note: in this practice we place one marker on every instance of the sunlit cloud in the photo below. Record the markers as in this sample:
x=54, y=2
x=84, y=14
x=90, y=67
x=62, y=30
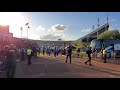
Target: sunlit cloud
x=51, y=37
x=58, y=28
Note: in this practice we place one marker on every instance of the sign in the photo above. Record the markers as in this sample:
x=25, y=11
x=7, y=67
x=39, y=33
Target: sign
x=109, y=49
x=117, y=47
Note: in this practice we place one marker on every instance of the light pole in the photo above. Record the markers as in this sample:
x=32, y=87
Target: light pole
x=98, y=28
x=27, y=32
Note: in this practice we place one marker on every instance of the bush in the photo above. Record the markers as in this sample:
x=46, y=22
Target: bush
x=82, y=54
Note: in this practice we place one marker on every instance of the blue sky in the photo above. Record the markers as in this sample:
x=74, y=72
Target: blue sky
x=66, y=25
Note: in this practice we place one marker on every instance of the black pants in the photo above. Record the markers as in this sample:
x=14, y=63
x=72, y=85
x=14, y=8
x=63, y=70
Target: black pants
x=43, y=53
x=29, y=59
x=49, y=53
x=78, y=54
x=22, y=56
x=105, y=56
x=11, y=67
x=55, y=54
x=69, y=58
x=89, y=60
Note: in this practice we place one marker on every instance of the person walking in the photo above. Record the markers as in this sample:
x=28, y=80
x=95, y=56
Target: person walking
x=55, y=50
x=104, y=55
x=29, y=55
x=11, y=57
x=43, y=51
x=89, y=51
x=49, y=51
x=68, y=53
x=22, y=54
x=78, y=52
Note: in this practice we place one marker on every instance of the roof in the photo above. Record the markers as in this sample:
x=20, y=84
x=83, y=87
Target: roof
x=99, y=29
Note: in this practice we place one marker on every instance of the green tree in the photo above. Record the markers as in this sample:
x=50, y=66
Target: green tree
x=81, y=44
x=113, y=34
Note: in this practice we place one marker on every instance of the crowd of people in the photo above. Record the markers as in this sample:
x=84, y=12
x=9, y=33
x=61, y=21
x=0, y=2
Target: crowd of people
x=96, y=54
x=11, y=53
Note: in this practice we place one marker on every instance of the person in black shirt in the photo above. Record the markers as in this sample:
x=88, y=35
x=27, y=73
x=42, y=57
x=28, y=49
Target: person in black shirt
x=69, y=53
x=11, y=57
x=89, y=51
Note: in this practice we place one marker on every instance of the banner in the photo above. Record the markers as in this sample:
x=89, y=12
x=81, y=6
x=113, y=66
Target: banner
x=117, y=47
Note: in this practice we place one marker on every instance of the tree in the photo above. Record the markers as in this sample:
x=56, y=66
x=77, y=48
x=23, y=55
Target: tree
x=113, y=34
x=81, y=44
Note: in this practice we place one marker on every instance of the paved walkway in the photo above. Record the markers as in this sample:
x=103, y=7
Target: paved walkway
x=55, y=67
x=104, y=67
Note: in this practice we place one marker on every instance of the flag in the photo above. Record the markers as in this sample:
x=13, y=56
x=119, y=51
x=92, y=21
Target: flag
x=26, y=24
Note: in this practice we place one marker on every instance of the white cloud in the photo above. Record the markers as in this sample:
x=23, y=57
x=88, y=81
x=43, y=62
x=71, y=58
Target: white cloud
x=86, y=30
x=40, y=28
x=40, y=31
x=42, y=34
x=58, y=28
x=51, y=37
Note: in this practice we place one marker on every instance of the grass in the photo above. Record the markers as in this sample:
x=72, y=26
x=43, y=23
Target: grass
x=39, y=54
x=74, y=54
x=82, y=54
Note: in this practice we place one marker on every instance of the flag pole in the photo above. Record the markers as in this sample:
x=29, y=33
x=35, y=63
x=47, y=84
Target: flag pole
x=21, y=31
x=27, y=24
x=27, y=32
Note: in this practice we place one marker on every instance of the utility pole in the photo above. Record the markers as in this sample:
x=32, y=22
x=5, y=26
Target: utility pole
x=107, y=17
x=98, y=28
